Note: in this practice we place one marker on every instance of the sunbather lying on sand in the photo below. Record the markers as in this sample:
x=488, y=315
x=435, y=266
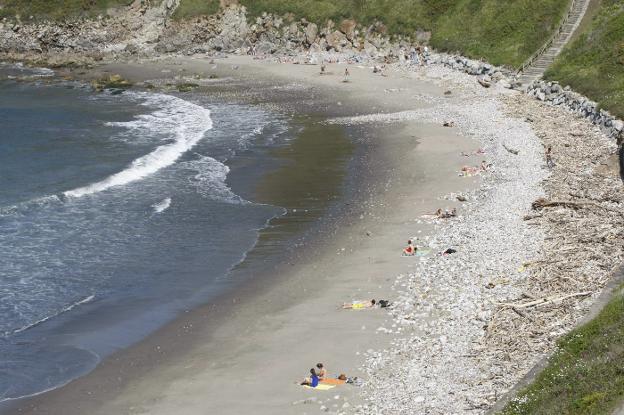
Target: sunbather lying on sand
x=358, y=305
x=311, y=381
x=410, y=249
x=470, y=170
x=446, y=214
x=473, y=153
x=448, y=251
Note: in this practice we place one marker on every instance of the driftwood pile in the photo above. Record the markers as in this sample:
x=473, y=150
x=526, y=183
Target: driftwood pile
x=582, y=215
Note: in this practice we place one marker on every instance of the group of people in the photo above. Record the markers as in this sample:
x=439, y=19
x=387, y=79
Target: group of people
x=346, y=72
x=470, y=170
x=417, y=56
x=316, y=375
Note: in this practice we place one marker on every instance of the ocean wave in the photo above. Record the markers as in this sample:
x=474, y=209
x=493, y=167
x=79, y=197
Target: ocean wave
x=187, y=122
x=56, y=314
x=162, y=205
x=210, y=178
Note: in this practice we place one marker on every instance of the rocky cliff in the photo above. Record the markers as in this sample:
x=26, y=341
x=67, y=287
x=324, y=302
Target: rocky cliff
x=141, y=30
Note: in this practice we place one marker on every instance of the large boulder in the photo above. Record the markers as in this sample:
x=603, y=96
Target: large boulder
x=311, y=32
x=233, y=28
x=336, y=40
x=347, y=27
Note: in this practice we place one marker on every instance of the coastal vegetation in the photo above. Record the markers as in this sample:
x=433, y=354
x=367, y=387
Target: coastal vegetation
x=594, y=63
x=56, y=9
x=501, y=32
x=585, y=375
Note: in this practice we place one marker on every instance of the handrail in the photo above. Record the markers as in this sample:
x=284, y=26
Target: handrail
x=550, y=41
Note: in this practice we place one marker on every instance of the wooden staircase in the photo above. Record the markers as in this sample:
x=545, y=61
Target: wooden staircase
x=534, y=67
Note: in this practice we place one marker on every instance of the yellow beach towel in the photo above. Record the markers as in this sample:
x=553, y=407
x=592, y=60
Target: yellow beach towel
x=321, y=387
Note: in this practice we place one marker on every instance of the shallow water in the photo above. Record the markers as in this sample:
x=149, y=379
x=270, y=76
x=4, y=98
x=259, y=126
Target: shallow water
x=115, y=215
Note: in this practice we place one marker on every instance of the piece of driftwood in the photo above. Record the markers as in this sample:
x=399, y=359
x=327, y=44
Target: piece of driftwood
x=483, y=83
x=544, y=301
x=511, y=150
x=543, y=203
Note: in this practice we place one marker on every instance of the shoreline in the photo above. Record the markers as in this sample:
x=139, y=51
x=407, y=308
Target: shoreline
x=221, y=309
x=170, y=387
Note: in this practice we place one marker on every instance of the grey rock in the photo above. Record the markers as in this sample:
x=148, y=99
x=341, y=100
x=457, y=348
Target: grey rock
x=336, y=40
x=311, y=32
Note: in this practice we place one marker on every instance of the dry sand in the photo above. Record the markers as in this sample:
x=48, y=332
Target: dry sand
x=246, y=357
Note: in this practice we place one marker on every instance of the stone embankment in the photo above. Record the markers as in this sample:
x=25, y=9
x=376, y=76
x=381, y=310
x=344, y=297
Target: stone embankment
x=553, y=93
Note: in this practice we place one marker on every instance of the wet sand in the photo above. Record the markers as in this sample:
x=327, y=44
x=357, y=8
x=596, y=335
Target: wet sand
x=244, y=352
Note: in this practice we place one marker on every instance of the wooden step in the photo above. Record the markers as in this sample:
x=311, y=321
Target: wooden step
x=542, y=62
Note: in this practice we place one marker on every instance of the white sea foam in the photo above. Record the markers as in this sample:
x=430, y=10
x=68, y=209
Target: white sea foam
x=210, y=180
x=44, y=319
x=187, y=124
x=162, y=205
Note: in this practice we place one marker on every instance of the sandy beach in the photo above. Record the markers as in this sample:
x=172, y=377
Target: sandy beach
x=248, y=355
x=245, y=352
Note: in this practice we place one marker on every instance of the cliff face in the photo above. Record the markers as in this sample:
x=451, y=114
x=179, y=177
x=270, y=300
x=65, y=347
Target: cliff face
x=85, y=40
x=144, y=31
x=501, y=32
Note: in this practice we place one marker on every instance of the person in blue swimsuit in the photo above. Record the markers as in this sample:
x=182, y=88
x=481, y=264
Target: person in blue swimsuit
x=312, y=381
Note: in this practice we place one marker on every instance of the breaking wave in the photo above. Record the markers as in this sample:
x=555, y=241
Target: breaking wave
x=187, y=123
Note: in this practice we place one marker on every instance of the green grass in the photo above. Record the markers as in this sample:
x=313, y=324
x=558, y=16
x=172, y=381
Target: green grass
x=56, y=9
x=594, y=63
x=502, y=32
x=193, y=8
x=586, y=374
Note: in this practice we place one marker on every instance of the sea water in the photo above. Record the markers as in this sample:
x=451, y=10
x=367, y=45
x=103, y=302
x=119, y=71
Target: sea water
x=115, y=215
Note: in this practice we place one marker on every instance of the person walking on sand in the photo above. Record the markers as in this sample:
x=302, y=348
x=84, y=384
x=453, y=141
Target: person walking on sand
x=311, y=381
x=346, y=75
x=323, y=68
x=549, y=161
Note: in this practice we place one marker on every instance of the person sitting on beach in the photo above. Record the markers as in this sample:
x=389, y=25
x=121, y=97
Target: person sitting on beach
x=322, y=373
x=484, y=166
x=410, y=249
x=311, y=381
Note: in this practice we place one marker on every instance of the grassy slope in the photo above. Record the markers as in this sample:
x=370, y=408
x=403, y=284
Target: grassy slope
x=56, y=9
x=586, y=375
x=594, y=63
x=500, y=31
